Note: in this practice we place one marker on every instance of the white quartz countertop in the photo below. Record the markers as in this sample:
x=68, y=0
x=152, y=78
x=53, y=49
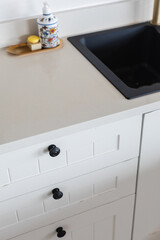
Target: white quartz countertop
x=40, y=93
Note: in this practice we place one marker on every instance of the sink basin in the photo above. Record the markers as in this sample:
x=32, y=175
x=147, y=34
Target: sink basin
x=128, y=57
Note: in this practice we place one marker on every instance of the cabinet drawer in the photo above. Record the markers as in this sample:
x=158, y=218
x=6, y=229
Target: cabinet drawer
x=117, y=142
x=112, y=221
x=35, y=160
x=100, y=187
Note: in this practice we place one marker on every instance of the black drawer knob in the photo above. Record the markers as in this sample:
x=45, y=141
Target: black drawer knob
x=57, y=194
x=60, y=232
x=53, y=150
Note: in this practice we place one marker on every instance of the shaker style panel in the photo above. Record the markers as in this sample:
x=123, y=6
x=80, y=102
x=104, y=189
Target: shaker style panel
x=110, y=183
x=73, y=149
x=118, y=140
x=111, y=221
x=38, y=159
x=8, y=216
x=20, y=164
x=112, y=143
x=4, y=178
x=96, y=188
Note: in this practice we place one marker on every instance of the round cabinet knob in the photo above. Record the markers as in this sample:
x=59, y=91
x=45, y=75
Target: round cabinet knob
x=53, y=150
x=57, y=194
x=60, y=232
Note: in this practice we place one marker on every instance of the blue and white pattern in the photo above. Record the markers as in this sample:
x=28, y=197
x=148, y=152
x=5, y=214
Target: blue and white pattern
x=48, y=31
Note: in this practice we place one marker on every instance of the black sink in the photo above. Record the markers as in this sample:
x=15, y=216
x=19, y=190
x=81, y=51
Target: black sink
x=128, y=57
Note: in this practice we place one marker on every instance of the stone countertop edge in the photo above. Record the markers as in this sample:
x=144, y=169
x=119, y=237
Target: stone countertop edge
x=49, y=95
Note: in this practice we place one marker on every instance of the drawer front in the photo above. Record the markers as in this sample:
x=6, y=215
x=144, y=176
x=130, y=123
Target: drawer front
x=112, y=221
x=116, y=142
x=119, y=140
x=35, y=160
x=102, y=186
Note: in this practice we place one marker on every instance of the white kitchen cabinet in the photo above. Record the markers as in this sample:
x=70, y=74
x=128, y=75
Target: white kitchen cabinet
x=111, y=221
x=147, y=214
x=105, y=185
x=95, y=171
x=109, y=141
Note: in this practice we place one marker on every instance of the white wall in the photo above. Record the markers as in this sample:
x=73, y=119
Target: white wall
x=15, y=9
x=73, y=22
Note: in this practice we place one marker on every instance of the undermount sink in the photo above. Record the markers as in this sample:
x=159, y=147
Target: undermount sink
x=128, y=57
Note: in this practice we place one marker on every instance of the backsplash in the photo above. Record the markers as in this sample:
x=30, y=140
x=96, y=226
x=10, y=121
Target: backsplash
x=84, y=16
x=11, y=10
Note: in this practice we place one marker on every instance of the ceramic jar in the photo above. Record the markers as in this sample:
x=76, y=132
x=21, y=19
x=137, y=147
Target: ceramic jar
x=48, y=28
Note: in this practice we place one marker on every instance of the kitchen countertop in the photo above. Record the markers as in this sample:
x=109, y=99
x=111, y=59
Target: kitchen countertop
x=41, y=93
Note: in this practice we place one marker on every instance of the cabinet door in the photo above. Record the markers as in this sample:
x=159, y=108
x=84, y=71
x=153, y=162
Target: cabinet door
x=109, y=222
x=147, y=216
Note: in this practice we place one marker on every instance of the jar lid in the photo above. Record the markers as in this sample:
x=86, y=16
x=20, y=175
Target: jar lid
x=47, y=18
x=33, y=39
